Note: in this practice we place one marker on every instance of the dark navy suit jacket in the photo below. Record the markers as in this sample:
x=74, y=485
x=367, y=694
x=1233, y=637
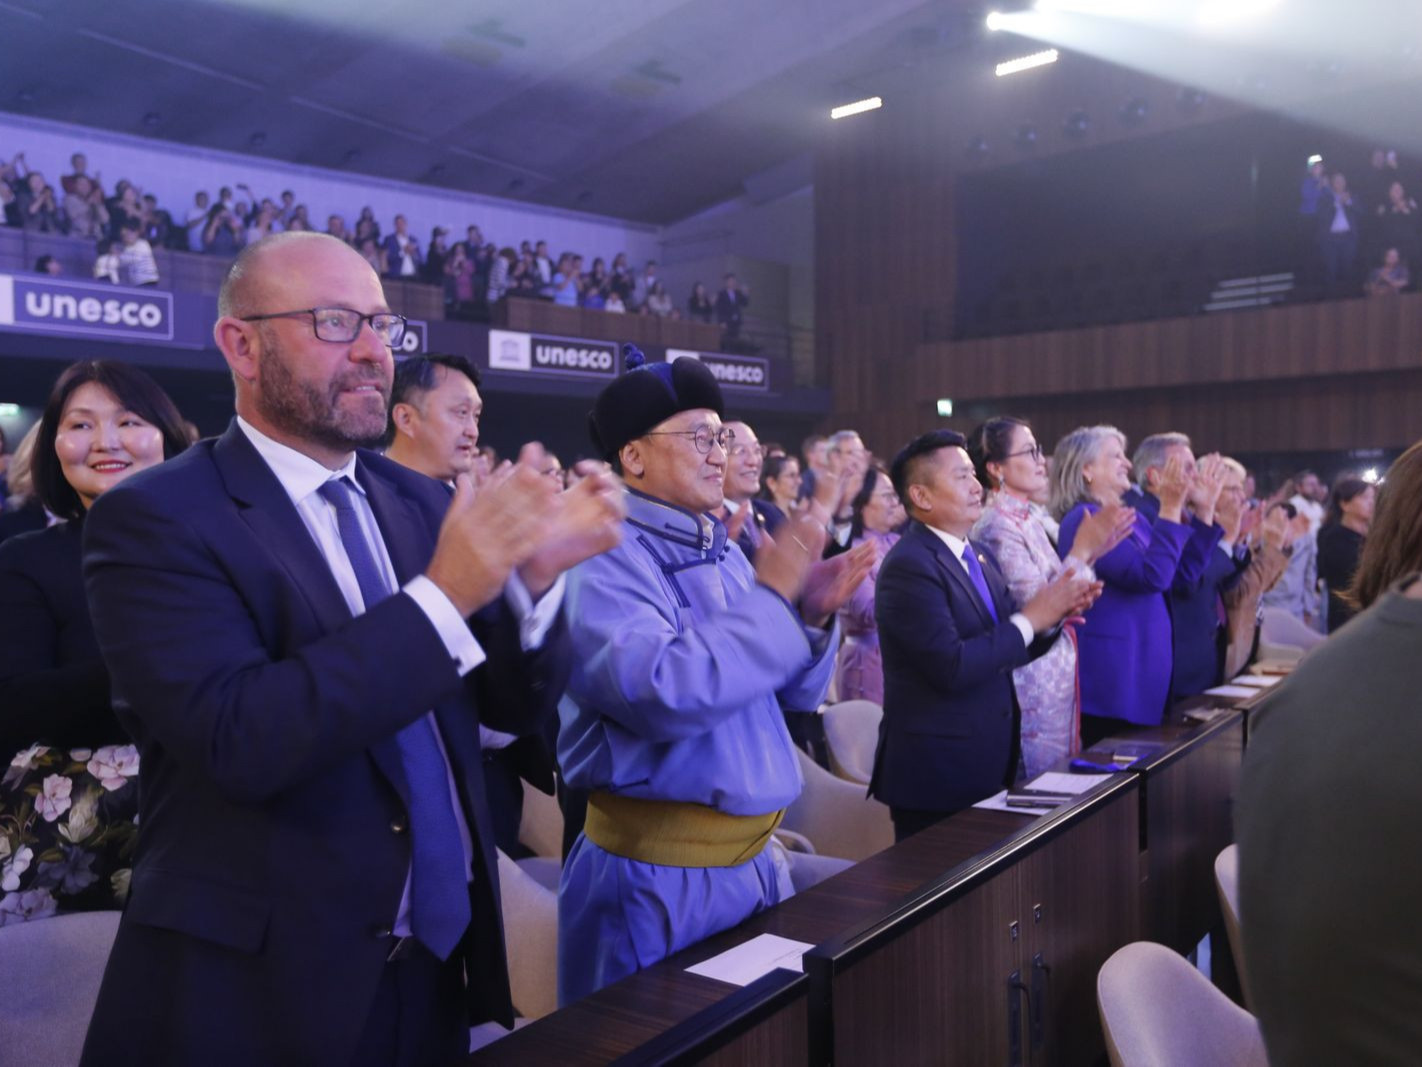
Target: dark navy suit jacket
x=274, y=841
x=949, y=733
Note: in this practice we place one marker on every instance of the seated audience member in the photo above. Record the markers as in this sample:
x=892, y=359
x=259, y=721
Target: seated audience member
x=1328, y=882
x=699, y=307
x=1289, y=608
x=84, y=209
x=49, y=265
x=564, y=285
x=104, y=421
x=878, y=518
x=136, y=263
x=1010, y=465
x=951, y=634
x=106, y=263
x=643, y=286
x=658, y=302
x=433, y=428
x=779, y=490
x=688, y=765
x=1196, y=596
x=1391, y=277
x=263, y=224
x=402, y=253
x=1266, y=555
x=614, y=303
x=21, y=509
x=1340, y=544
x=80, y=162
x=125, y=208
x=373, y=254
x=366, y=220
x=622, y=279
x=814, y=462
x=846, y=460
x=157, y=223
x=336, y=227
x=302, y=659
x=1124, y=651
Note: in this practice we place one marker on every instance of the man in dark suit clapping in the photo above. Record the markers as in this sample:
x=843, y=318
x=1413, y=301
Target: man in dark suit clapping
x=951, y=636
x=304, y=638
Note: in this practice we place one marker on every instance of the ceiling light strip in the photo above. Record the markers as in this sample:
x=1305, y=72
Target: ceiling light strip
x=1036, y=59
x=845, y=110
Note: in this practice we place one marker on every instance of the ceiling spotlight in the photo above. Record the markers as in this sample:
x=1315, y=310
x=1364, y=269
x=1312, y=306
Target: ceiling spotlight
x=1026, y=136
x=996, y=20
x=1371, y=476
x=1315, y=159
x=845, y=110
x=1077, y=124
x=1134, y=111
x=1036, y=59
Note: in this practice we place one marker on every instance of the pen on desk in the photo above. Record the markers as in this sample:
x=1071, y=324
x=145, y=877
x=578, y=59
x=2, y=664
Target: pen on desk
x=1034, y=805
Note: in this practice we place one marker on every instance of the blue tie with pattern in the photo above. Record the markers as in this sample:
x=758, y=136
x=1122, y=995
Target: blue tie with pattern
x=439, y=886
x=975, y=572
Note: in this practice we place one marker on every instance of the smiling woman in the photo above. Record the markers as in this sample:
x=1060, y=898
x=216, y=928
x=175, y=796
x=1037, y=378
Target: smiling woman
x=67, y=800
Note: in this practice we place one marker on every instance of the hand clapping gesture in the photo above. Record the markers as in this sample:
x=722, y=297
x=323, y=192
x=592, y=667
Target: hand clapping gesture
x=1210, y=475
x=1173, y=488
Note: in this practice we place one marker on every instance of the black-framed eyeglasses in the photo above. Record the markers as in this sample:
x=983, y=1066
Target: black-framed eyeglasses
x=341, y=326
x=1035, y=452
x=702, y=437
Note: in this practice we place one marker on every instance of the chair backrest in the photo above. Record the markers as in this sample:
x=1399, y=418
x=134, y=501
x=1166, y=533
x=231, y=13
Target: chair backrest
x=852, y=734
x=836, y=815
x=541, y=827
x=1227, y=885
x=50, y=971
x=531, y=932
x=1158, y=1011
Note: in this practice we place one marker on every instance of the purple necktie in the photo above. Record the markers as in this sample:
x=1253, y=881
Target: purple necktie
x=975, y=572
x=439, y=886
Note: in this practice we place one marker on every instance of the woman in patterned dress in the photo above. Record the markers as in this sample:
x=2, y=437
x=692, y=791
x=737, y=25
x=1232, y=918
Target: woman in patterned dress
x=1013, y=470
x=878, y=514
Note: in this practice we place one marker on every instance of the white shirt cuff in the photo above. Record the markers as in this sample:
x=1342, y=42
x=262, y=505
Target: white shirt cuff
x=463, y=646
x=1023, y=627
x=534, y=620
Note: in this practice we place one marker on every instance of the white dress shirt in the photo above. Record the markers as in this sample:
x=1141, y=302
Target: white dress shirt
x=302, y=477
x=956, y=546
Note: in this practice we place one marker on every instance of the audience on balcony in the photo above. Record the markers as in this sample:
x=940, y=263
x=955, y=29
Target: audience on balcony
x=699, y=307
x=1391, y=277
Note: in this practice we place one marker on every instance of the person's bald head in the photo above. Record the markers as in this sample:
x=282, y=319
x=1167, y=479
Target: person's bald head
x=259, y=268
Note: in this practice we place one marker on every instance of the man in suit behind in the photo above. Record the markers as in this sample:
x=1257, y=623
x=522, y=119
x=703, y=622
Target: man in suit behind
x=729, y=302
x=951, y=636
x=284, y=617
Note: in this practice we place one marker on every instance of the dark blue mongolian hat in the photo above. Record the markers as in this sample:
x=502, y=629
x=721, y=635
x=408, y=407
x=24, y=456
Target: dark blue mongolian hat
x=648, y=394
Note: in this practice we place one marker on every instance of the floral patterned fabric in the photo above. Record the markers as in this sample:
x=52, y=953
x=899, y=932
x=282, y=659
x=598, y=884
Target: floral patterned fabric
x=68, y=825
x=1046, y=687
x=859, y=673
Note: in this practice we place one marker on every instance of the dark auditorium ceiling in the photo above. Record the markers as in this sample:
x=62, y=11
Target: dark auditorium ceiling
x=643, y=109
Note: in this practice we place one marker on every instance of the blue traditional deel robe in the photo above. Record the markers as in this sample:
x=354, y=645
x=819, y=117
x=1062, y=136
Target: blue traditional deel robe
x=682, y=663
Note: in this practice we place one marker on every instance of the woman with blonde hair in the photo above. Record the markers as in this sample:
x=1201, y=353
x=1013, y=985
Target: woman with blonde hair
x=1124, y=650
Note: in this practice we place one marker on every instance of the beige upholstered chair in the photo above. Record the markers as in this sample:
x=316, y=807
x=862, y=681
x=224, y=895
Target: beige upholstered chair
x=1227, y=884
x=852, y=735
x=836, y=815
x=49, y=980
x=541, y=828
x=1159, y=1011
x=531, y=932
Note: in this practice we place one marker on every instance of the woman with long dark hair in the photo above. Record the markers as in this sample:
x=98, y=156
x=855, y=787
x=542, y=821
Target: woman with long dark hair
x=68, y=799
x=1340, y=544
x=877, y=516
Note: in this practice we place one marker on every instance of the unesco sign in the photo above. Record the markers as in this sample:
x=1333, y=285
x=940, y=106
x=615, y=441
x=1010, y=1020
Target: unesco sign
x=733, y=372
x=85, y=309
x=530, y=353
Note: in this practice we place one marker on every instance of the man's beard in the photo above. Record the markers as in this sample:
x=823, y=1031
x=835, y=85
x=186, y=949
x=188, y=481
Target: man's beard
x=306, y=411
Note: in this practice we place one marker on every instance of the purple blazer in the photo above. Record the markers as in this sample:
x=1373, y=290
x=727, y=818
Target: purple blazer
x=1124, y=650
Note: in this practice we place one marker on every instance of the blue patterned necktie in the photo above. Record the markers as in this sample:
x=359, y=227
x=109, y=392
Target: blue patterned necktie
x=439, y=886
x=975, y=572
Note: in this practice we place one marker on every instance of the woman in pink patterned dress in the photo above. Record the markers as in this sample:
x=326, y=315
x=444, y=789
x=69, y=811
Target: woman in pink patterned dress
x=1011, y=466
x=859, y=674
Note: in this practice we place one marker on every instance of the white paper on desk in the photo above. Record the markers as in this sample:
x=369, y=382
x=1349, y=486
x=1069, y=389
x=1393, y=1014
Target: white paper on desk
x=1052, y=782
x=753, y=959
x=1232, y=691
x=1258, y=681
